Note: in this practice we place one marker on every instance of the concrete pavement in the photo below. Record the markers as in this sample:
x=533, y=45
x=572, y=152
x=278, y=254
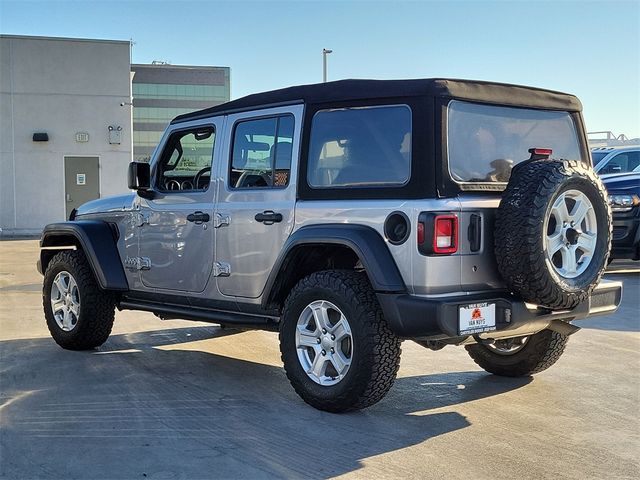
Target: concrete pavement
x=179, y=399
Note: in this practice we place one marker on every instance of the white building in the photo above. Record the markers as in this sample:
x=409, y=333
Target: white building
x=65, y=127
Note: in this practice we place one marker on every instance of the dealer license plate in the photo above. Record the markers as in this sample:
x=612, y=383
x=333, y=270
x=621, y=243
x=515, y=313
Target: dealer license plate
x=477, y=318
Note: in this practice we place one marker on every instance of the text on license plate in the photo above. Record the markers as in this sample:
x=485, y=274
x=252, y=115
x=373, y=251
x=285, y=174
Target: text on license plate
x=476, y=318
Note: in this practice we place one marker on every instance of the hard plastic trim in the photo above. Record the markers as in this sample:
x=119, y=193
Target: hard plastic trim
x=365, y=242
x=223, y=317
x=97, y=242
x=410, y=316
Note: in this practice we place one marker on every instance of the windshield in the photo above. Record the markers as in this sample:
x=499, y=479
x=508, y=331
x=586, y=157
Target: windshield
x=485, y=141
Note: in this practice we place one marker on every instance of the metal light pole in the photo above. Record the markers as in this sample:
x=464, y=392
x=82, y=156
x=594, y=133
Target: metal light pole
x=325, y=52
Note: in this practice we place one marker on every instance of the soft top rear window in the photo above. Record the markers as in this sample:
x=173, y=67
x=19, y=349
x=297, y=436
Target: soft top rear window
x=485, y=141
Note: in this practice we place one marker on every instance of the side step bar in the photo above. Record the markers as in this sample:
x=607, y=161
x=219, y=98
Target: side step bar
x=175, y=312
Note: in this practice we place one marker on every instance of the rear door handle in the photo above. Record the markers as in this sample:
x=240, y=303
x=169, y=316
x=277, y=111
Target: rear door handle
x=198, y=217
x=474, y=232
x=268, y=217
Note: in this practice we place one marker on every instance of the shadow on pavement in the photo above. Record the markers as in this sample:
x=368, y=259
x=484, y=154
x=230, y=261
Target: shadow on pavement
x=27, y=287
x=129, y=410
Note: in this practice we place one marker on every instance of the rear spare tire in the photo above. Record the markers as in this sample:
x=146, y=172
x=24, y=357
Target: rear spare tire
x=553, y=232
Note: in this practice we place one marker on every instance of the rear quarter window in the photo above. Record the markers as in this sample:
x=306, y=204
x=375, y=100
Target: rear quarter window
x=360, y=147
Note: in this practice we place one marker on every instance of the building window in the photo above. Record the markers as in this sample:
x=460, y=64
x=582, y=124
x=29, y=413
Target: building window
x=182, y=92
x=146, y=139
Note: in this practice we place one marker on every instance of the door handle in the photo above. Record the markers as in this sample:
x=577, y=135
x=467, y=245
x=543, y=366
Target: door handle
x=474, y=233
x=198, y=217
x=268, y=217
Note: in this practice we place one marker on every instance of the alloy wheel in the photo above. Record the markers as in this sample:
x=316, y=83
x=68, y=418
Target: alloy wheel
x=508, y=346
x=571, y=233
x=65, y=301
x=324, y=342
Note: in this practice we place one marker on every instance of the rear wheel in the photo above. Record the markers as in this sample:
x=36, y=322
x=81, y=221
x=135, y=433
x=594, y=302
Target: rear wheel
x=519, y=357
x=337, y=349
x=79, y=314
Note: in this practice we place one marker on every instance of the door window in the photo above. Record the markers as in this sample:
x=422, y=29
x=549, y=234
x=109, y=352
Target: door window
x=262, y=152
x=623, y=162
x=185, y=163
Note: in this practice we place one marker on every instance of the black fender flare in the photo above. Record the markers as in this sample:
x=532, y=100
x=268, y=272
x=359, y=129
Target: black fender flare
x=97, y=239
x=365, y=242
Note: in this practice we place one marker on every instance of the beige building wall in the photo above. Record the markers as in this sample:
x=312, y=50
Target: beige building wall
x=61, y=87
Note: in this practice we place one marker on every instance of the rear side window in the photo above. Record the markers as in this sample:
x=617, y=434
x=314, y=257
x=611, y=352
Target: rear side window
x=485, y=141
x=261, y=155
x=360, y=147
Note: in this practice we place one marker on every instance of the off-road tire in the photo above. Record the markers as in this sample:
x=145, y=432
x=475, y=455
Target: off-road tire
x=376, y=357
x=97, y=307
x=518, y=236
x=540, y=352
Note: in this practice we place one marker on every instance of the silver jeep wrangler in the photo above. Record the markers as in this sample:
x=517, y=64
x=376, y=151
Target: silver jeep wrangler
x=349, y=216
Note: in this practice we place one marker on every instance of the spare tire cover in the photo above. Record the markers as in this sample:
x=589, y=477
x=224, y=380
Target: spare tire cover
x=553, y=232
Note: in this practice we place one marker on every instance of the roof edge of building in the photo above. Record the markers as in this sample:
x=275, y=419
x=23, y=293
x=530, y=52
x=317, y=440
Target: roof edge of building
x=185, y=67
x=64, y=39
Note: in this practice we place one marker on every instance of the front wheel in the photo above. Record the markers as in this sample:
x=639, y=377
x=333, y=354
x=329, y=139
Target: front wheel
x=519, y=357
x=79, y=314
x=337, y=349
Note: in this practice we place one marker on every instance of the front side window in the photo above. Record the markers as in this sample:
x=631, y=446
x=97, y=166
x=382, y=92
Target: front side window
x=621, y=163
x=360, y=147
x=485, y=141
x=262, y=151
x=185, y=163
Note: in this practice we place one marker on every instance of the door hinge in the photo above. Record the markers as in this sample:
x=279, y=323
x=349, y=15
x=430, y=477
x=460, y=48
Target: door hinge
x=137, y=263
x=221, y=269
x=221, y=220
x=144, y=263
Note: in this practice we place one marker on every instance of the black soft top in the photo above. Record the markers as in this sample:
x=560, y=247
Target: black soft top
x=345, y=90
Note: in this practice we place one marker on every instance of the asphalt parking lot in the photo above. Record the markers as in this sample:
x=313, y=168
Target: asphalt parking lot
x=178, y=399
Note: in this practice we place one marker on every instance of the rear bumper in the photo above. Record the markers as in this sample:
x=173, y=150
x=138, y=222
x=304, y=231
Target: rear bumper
x=410, y=316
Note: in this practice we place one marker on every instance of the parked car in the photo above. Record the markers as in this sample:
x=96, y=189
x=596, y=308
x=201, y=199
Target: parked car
x=349, y=216
x=624, y=198
x=607, y=160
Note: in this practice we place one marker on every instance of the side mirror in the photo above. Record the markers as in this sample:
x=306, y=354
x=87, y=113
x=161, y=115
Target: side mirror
x=139, y=176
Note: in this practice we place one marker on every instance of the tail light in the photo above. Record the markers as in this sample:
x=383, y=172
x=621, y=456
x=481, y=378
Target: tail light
x=420, y=233
x=437, y=233
x=445, y=236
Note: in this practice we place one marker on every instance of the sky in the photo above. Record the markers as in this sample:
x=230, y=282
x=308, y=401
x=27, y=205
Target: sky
x=590, y=49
